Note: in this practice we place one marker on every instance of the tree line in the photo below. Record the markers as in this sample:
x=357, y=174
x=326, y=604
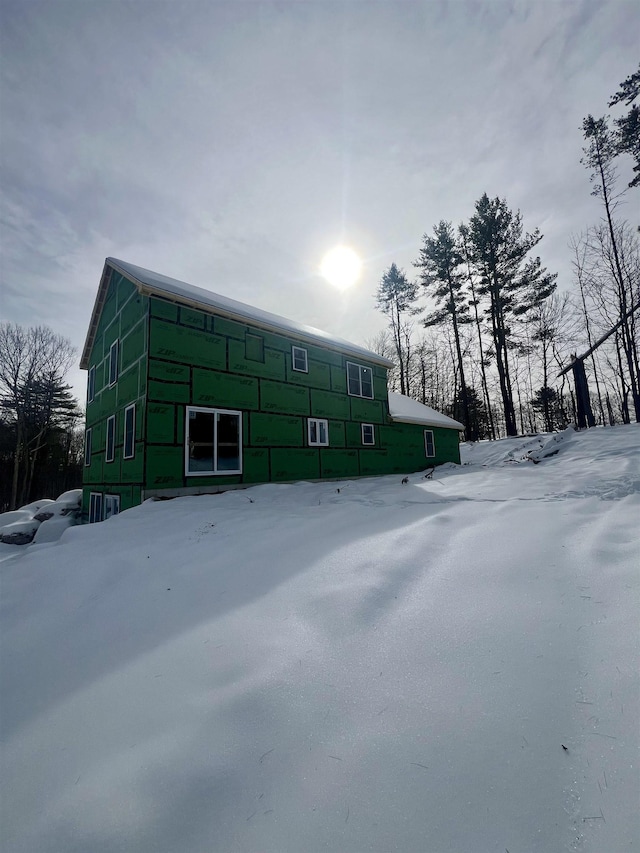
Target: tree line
x=41, y=429
x=482, y=332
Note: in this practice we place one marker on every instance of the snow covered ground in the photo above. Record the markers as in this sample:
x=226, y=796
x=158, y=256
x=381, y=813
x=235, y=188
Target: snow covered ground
x=447, y=665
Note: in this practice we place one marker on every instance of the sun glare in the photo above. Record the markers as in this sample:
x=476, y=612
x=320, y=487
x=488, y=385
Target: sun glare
x=341, y=267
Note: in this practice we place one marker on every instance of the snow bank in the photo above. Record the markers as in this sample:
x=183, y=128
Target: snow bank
x=21, y=526
x=442, y=665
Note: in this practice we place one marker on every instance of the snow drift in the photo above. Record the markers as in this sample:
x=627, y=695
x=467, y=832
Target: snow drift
x=446, y=665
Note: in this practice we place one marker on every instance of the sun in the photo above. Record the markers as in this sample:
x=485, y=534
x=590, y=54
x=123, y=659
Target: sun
x=341, y=267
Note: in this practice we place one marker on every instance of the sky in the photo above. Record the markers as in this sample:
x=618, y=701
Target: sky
x=232, y=144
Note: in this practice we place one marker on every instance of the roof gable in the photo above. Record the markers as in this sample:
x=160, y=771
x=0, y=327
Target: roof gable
x=155, y=284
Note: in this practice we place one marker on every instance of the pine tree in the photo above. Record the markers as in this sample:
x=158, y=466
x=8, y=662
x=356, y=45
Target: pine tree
x=441, y=274
x=513, y=283
x=395, y=298
x=628, y=126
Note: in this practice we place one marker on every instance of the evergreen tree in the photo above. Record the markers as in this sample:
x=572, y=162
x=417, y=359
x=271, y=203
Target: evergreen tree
x=395, y=298
x=475, y=413
x=628, y=126
x=547, y=401
x=442, y=276
x=33, y=399
x=513, y=283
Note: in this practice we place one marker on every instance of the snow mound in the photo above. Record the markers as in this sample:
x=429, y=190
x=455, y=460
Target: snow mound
x=13, y=516
x=19, y=532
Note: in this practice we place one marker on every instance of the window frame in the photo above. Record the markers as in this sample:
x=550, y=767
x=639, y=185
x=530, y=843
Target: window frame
x=88, y=435
x=95, y=507
x=125, y=455
x=113, y=362
x=214, y=412
x=109, y=498
x=373, y=435
x=360, y=367
x=296, y=349
x=318, y=423
x=427, y=433
x=91, y=384
x=110, y=435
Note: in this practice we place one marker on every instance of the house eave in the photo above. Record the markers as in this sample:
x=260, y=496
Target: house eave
x=456, y=425
x=98, y=305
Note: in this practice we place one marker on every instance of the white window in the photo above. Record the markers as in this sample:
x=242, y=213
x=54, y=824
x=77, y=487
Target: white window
x=87, y=447
x=213, y=443
x=111, y=505
x=429, y=443
x=95, y=507
x=91, y=384
x=359, y=381
x=318, y=432
x=110, y=448
x=299, y=359
x=129, y=431
x=113, y=364
x=368, y=436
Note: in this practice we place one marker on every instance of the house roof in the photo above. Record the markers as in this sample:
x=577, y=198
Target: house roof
x=154, y=284
x=408, y=411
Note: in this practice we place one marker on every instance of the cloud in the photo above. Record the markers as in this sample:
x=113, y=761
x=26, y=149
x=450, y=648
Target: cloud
x=231, y=144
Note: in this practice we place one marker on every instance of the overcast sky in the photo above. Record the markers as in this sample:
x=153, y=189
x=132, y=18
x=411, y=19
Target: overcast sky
x=231, y=144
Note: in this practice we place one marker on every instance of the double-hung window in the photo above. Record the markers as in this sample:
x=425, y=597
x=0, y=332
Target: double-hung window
x=368, y=437
x=429, y=443
x=213, y=442
x=299, y=360
x=359, y=380
x=95, y=507
x=113, y=364
x=87, y=446
x=129, y=432
x=91, y=384
x=110, y=449
x=318, y=432
x=111, y=505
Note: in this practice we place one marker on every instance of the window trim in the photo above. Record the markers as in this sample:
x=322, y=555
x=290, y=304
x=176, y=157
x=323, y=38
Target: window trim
x=212, y=411
x=125, y=455
x=110, y=497
x=95, y=502
x=360, y=367
x=87, y=446
x=91, y=384
x=298, y=349
x=426, y=444
x=113, y=363
x=373, y=435
x=318, y=422
x=110, y=434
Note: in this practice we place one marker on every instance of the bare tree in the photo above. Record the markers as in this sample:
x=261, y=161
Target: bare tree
x=33, y=364
x=599, y=156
